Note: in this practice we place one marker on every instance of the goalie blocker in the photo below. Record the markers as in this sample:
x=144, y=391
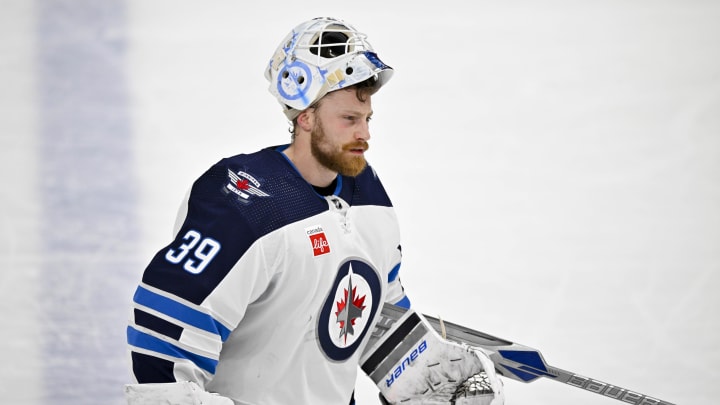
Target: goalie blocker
x=411, y=364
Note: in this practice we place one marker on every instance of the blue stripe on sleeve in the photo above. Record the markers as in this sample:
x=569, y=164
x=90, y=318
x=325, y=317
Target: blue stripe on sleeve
x=405, y=302
x=180, y=312
x=145, y=341
x=393, y=275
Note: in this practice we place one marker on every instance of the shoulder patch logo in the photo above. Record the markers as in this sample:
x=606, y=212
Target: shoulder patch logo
x=320, y=245
x=244, y=186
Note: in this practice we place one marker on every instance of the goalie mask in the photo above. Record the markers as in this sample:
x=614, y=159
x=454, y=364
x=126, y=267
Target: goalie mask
x=320, y=56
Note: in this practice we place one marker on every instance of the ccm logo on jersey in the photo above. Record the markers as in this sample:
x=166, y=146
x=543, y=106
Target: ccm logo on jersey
x=318, y=240
x=406, y=363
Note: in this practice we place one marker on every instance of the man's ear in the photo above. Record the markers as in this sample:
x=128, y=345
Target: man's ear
x=306, y=119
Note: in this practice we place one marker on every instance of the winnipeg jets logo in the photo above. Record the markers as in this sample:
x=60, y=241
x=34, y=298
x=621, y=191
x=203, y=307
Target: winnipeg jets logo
x=244, y=185
x=349, y=309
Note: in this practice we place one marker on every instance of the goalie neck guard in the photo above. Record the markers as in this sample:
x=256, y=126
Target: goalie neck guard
x=320, y=56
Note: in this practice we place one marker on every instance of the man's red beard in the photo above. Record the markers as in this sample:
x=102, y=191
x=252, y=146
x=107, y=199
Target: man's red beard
x=337, y=160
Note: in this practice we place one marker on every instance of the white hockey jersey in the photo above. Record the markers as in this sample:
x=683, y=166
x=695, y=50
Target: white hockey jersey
x=269, y=292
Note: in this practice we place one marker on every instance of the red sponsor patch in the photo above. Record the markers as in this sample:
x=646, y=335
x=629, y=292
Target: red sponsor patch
x=320, y=244
x=318, y=240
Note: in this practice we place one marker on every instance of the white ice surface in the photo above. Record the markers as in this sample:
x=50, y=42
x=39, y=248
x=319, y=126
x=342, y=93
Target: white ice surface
x=555, y=166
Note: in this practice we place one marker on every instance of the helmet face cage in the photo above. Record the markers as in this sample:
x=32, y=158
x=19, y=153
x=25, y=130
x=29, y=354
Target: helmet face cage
x=320, y=56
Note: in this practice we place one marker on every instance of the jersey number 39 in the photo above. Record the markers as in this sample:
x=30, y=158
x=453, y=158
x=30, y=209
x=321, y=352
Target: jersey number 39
x=203, y=251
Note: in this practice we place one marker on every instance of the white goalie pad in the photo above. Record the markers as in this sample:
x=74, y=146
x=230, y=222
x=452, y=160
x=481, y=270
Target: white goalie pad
x=412, y=364
x=178, y=393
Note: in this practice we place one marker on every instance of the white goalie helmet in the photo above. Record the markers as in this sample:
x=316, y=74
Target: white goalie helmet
x=320, y=56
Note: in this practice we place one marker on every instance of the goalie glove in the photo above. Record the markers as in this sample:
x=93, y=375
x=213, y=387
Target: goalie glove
x=412, y=364
x=178, y=393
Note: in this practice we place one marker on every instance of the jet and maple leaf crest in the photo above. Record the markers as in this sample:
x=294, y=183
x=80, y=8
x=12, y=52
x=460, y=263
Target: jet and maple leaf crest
x=349, y=309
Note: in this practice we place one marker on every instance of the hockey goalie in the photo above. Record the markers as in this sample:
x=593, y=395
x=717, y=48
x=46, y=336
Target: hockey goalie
x=411, y=364
x=282, y=260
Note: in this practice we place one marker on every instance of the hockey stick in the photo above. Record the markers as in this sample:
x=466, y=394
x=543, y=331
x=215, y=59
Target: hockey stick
x=513, y=360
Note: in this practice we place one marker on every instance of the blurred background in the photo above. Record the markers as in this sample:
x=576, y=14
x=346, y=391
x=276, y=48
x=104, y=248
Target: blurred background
x=555, y=166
